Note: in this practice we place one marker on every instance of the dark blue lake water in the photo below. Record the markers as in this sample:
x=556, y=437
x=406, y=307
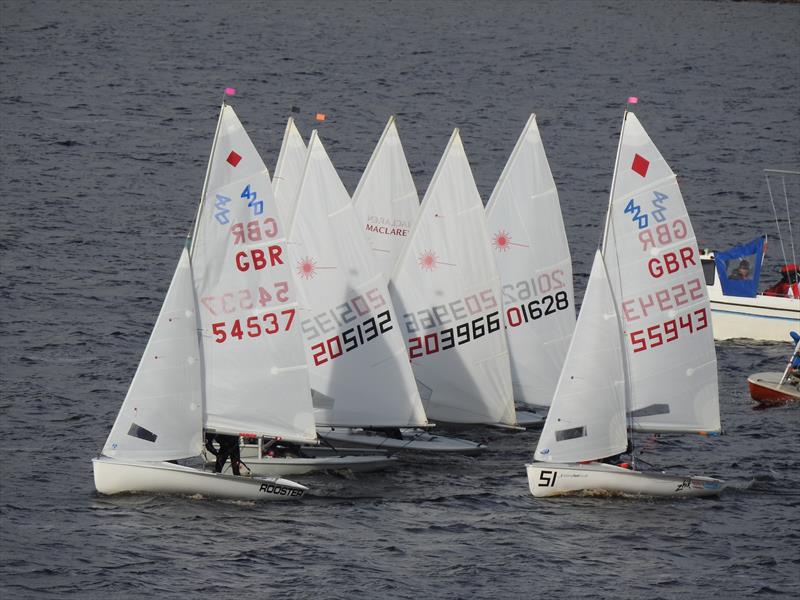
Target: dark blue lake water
x=108, y=111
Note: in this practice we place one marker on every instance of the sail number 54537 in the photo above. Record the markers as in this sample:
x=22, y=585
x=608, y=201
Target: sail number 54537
x=254, y=326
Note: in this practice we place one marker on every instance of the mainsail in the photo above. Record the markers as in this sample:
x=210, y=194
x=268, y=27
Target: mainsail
x=587, y=418
x=386, y=199
x=354, y=345
x=254, y=369
x=530, y=246
x=651, y=256
x=447, y=293
x=289, y=172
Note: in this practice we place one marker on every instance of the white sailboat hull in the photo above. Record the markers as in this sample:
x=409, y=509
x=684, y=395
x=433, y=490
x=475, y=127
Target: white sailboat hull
x=531, y=418
x=413, y=440
x=553, y=479
x=112, y=476
x=769, y=318
x=759, y=318
x=323, y=460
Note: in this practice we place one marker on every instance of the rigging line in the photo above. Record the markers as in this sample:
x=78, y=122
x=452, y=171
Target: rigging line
x=413, y=439
x=196, y=224
x=789, y=220
x=609, y=228
x=775, y=214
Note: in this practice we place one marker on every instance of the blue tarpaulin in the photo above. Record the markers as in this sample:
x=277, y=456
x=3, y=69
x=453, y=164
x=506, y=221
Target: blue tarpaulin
x=739, y=268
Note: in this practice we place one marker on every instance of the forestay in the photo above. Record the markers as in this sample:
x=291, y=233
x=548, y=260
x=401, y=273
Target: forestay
x=162, y=415
x=587, y=418
x=354, y=346
x=289, y=171
x=447, y=291
x=386, y=199
x=653, y=263
x=532, y=254
x=255, y=374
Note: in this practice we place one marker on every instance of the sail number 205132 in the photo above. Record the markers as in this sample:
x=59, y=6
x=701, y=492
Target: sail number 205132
x=352, y=338
x=253, y=326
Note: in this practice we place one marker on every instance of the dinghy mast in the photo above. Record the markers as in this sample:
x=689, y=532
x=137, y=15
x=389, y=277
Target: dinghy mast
x=193, y=235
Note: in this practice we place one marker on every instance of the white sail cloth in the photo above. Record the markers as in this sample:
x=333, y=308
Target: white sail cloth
x=354, y=344
x=651, y=256
x=256, y=380
x=386, y=199
x=447, y=293
x=289, y=172
x=586, y=420
x=530, y=247
x=162, y=415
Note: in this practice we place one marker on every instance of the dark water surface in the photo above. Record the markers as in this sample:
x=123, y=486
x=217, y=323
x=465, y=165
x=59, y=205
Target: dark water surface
x=108, y=110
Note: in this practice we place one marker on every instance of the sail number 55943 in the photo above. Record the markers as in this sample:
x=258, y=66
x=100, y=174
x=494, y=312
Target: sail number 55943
x=669, y=331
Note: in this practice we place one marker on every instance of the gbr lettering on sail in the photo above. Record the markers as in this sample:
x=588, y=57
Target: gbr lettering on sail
x=672, y=265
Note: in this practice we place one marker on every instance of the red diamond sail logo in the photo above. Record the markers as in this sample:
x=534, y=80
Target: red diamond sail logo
x=640, y=165
x=233, y=158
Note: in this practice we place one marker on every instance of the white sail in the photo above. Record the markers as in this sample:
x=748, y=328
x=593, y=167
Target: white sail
x=354, y=345
x=447, y=293
x=162, y=416
x=386, y=199
x=651, y=255
x=255, y=375
x=532, y=254
x=289, y=172
x=587, y=418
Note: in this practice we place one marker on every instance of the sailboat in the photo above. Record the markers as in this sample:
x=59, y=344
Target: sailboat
x=387, y=203
x=248, y=373
x=532, y=254
x=356, y=355
x=774, y=388
x=447, y=292
x=642, y=356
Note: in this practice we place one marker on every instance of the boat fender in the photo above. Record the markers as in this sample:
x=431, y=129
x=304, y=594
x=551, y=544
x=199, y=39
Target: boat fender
x=625, y=465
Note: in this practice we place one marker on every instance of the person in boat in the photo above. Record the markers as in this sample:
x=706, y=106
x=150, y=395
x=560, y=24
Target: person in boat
x=787, y=287
x=228, y=448
x=742, y=271
x=278, y=448
x=793, y=376
x=210, y=438
x=622, y=459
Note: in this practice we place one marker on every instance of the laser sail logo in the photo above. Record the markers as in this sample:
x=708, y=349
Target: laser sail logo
x=306, y=267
